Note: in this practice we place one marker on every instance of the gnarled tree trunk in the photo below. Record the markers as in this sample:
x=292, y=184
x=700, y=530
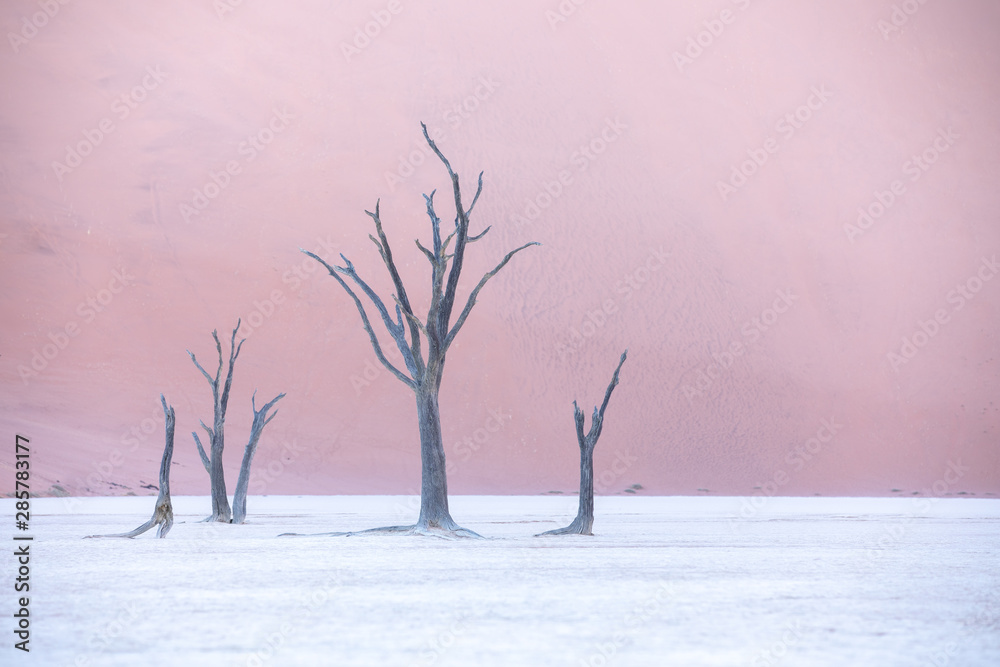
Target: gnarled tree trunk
x=163, y=512
x=433, y=480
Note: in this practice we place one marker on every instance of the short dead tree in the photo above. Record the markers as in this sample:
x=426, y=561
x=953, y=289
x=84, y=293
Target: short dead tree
x=163, y=513
x=423, y=375
x=221, y=511
x=260, y=420
x=584, y=521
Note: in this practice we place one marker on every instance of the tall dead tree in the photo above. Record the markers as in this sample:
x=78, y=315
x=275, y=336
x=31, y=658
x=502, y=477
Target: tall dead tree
x=260, y=420
x=423, y=375
x=216, y=434
x=163, y=512
x=584, y=521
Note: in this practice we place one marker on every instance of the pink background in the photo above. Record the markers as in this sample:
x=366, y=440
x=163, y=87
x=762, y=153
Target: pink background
x=647, y=207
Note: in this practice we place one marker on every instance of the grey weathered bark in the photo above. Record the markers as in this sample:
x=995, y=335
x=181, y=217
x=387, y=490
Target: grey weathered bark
x=584, y=521
x=423, y=376
x=216, y=434
x=163, y=513
x=260, y=420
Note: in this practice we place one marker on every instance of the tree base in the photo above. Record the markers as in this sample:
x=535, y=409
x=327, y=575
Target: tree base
x=578, y=527
x=454, y=532
x=163, y=516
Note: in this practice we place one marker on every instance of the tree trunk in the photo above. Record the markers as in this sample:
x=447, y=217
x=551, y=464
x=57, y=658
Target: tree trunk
x=585, y=515
x=260, y=420
x=220, y=501
x=433, y=479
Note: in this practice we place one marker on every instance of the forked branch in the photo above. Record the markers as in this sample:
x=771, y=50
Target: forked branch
x=260, y=420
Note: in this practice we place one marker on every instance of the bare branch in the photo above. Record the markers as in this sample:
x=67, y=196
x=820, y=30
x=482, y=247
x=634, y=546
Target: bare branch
x=201, y=450
x=397, y=282
x=479, y=191
x=428, y=254
x=396, y=330
x=597, y=422
x=203, y=371
x=462, y=227
x=413, y=318
x=472, y=297
x=579, y=417
x=409, y=382
x=435, y=221
x=473, y=239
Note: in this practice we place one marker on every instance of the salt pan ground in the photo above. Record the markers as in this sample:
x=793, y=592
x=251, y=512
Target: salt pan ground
x=665, y=581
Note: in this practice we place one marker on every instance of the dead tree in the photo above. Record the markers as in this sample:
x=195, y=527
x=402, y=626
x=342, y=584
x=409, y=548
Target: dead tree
x=423, y=375
x=163, y=513
x=216, y=434
x=260, y=420
x=584, y=521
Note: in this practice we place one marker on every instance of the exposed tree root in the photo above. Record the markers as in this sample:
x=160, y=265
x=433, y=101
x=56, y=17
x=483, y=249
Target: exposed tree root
x=454, y=532
x=578, y=527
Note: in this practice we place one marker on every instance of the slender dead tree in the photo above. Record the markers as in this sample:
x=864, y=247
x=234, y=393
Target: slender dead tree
x=423, y=375
x=216, y=435
x=163, y=513
x=584, y=521
x=260, y=420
